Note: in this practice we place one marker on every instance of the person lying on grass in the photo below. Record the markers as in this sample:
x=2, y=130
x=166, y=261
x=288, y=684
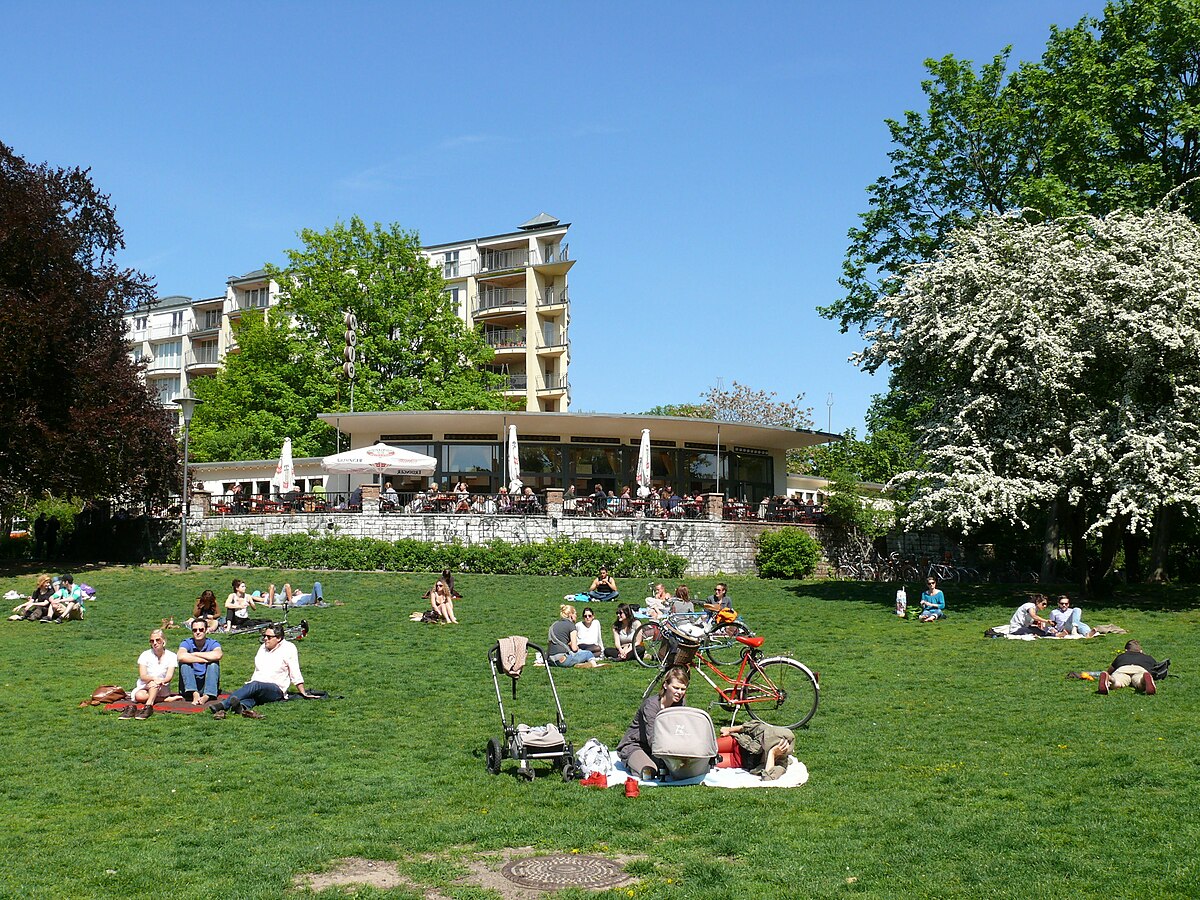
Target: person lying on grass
x=1026, y=619
x=634, y=746
x=933, y=602
x=156, y=668
x=297, y=597
x=276, y=668
x=1129, y=668
x=38, y=605
x=1065, y=620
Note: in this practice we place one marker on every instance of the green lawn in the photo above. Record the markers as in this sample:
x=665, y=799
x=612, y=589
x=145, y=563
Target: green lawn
x=942, y=764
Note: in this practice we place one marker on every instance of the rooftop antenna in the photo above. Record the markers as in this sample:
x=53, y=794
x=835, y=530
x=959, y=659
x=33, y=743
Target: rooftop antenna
x=829, y=408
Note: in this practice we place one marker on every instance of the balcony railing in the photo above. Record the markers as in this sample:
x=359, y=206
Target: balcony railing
x=163, y=364
x=505, y=338
x=236, y=306
x=517, y=383
x=174, y=329
x=459, y=268
x=554, y=337
x=494, y=298
x=208, y=323
x=554, y=383
x=202, y=358
x=499, y=260
x=554, y=253
x=553, y=297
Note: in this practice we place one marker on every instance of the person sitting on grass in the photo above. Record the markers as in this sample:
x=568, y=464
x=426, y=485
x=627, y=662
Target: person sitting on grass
x=156, y=668
x=67, y=602
x=604, y=587
x=590, y=633
x=1129, y=668
x=237, y=606
x=933, y=602
x=200, y=664
x=441, y=600
x=659, y=604
x=276, y=668
x=622, y=634
x=634, y=746
x=682, y=602
x=1027, y=621
x=1065, y=619
x=205, y=610
x=563, y=649
x=37, y=607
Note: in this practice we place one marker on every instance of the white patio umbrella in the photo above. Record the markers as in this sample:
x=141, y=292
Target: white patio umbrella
x=380, y=459
x=514, y=462
x=284, y=479
x=643, y=466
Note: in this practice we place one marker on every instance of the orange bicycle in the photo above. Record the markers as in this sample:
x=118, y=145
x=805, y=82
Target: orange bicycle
x=777, y=690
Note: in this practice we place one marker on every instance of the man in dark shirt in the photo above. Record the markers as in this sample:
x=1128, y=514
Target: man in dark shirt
x=1131, y=667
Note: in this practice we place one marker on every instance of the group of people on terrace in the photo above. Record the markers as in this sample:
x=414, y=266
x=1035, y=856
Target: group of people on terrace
x=460, y=500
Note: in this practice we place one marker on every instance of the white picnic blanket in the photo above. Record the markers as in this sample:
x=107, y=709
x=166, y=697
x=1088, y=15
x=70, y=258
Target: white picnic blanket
x=1006, y=631
x=796, y=775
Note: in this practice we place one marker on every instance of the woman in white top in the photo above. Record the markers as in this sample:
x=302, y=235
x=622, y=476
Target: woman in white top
x=622, y=634
x=589, y=633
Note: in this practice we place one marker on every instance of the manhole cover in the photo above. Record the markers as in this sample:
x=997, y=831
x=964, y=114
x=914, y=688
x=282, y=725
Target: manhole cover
x=564, y=870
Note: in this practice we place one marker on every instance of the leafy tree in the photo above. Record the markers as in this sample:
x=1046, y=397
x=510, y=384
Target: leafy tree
x=1069, y=383
x=741, y=404
x=414, y=351
x=77, y=418
x=1109, y=119
x=680, y=410
x=270, y=389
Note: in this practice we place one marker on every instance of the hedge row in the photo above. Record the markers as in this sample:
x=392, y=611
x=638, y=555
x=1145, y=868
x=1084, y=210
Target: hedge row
x=560, y=556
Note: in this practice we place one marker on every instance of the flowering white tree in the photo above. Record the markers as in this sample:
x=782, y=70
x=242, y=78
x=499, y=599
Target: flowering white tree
x=1063, y=359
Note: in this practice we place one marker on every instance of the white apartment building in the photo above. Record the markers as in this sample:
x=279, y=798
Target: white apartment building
x=514, y=285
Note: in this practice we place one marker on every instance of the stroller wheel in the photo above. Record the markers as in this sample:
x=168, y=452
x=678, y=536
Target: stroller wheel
x=494, y=755
x=571, y=772
x=525, y=774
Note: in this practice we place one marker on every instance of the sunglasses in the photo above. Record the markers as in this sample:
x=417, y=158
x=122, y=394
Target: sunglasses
x=198, y=630
x=269, y=637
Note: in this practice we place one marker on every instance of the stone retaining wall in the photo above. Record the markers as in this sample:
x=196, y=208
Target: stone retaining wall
x=710, y=547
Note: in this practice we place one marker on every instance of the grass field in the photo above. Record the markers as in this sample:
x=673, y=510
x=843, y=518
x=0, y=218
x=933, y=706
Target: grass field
x=942, y=764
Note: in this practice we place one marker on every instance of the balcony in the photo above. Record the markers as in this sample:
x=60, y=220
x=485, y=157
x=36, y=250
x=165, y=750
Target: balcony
x=554, y=342
x=553, y=259
x=492, y=261
x=518, y=383
x=163, y=365
x=506, y=340
x=235, y=307
x=490, y=300
x=458, y=268
x=553, y=297
x=173, y=329
x=209, y=324
x=555, y=384
x=202, y=360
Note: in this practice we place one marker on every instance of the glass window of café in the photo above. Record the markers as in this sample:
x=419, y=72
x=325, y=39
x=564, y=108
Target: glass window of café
x=479, y=466
x=751, y=477
x=606, y=466
x=698, y=473
x=541, y=466
x=407, y=484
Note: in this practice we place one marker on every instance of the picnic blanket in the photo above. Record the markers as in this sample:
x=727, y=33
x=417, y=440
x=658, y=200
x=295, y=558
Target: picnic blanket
x=166, y=706
x=1006, y=631
x=796, y=775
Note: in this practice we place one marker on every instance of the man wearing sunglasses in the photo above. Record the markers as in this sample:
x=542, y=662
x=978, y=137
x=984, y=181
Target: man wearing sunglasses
x=276, y=668
x=200, y=665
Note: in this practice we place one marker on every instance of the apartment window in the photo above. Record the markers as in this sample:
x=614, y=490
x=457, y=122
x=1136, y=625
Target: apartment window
x=168, y=350
x=206, y=352
x=141, y=323
x=168, y=390
x=450, y=264
x=455, y=297
x=212, y=318
x=177, y=322
x=257, y=298
x=137, y=354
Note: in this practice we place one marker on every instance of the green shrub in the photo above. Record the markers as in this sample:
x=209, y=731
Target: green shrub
x=314, y=550
x=787, y=553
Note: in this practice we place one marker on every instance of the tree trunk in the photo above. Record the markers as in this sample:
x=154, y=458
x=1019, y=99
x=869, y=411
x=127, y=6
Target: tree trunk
x=1080, y=555
x=1109, y=545
x=1050, y=542
x=1160, y=540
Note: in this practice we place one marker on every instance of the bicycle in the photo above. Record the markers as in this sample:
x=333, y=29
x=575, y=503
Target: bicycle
x=777, y=690
x=651, y=643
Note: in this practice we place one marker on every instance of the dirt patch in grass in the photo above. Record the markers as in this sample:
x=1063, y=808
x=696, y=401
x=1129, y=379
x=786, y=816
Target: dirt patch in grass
x=356, y=870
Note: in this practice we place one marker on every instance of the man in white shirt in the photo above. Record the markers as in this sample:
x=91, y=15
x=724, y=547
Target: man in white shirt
x=156, y=668
x=276, y=668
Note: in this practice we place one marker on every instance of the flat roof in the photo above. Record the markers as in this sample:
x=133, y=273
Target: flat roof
x=365, y=427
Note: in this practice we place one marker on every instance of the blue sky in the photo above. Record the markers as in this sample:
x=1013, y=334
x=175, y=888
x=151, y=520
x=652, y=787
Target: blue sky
x=710, y=157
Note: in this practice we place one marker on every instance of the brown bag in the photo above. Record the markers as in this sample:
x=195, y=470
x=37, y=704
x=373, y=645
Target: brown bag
x=106, y=693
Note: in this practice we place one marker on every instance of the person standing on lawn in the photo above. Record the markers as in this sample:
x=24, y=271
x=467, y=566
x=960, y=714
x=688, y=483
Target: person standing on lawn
x=276, y=668
x=200, y=669
x=156, y=668
x=1130, y=668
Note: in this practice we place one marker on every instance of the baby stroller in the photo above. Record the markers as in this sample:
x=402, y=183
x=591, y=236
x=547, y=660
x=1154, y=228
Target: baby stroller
x=523, y=742
x=684, y=741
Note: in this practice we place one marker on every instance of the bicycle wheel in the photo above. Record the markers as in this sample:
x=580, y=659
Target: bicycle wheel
x=781, y=691
x=722, y=647
x=649, y=645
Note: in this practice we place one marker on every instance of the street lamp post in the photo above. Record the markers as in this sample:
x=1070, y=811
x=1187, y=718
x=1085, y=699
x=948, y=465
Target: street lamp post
x=187, y=405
